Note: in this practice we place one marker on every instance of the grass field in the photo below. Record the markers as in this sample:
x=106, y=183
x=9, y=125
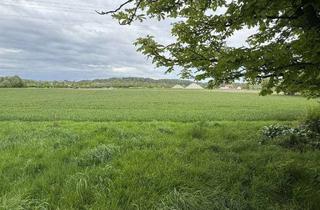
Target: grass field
x=146, y=105
x=150, y=149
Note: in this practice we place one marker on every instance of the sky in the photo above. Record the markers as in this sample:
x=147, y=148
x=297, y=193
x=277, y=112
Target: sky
x=68, y=40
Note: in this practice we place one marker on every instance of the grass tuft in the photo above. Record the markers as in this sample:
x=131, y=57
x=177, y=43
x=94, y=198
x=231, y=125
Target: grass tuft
x=181, y=200
x=199, y=130
x=100, y=154
x=20, y=202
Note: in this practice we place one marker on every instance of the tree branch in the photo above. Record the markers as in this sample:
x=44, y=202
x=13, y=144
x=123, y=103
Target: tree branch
x=116, y=10
x=282, y=17
x=134, y=14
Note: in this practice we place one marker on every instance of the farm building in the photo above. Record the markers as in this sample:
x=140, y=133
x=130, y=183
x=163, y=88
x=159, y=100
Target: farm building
x=194, y=86
x=177, y=87
x=225, y=88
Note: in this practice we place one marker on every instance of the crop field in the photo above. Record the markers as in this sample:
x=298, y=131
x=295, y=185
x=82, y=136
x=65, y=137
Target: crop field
x=151, y=149
x=146, y=105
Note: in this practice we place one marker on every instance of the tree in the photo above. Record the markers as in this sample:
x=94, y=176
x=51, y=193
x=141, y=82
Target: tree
x=285, y=48
x=16, y=82
x=11, y=82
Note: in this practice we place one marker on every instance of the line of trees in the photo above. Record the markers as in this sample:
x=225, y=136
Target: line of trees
x=12, y=82
x=127, y=82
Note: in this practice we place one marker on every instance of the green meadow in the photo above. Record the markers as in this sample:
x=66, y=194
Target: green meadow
x=146, y=105
x=151, y=149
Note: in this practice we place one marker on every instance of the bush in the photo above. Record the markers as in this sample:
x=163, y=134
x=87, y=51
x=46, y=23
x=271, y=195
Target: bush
x=305, y=136
x=312, y=120
x=11, y=82
x=272, y=131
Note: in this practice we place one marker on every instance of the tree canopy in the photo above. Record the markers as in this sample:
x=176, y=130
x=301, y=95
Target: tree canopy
x=11, y=82
x=284, y=51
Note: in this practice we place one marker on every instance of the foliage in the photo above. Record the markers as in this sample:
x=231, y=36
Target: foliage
x=273, y=131
x=305, y=136
x=312, y=119
x=11, y=82
x=284, y=48
x=127, y=82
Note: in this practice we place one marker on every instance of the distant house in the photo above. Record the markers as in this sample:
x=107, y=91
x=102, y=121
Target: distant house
x=194, y=86
x=177, y=87
x=225, y=88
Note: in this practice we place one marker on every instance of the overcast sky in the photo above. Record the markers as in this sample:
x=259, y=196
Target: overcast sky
x=67, y=40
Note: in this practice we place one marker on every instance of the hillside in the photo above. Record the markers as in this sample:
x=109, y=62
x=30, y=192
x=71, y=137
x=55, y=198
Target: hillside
x=127, y=82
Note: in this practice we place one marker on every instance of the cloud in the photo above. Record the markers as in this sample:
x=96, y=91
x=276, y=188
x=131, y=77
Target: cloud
x=68, y=40
x=124, y=69
x=9, y=51
x=58, y=39
x=239, y=37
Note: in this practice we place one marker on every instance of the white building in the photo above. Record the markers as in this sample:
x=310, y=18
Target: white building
x=194, y=86
x=225, y=88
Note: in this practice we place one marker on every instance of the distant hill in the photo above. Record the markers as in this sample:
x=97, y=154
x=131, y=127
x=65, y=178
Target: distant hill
x=126, y=82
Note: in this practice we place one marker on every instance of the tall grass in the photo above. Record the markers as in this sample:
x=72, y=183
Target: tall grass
x=151, y=149
x=134, y=165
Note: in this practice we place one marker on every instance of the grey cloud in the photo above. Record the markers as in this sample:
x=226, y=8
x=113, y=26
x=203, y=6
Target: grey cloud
x=58, y=39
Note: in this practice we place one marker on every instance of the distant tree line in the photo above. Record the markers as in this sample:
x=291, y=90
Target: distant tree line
x=12, y=82
x=127, y=82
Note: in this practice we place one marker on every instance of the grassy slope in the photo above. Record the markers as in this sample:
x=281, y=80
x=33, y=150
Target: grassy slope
x=147, y=164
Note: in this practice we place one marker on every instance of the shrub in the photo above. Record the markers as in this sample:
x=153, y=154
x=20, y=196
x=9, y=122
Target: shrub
x=312, y=120
x=11, y=82
x=272, y=131
x=305, y=136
